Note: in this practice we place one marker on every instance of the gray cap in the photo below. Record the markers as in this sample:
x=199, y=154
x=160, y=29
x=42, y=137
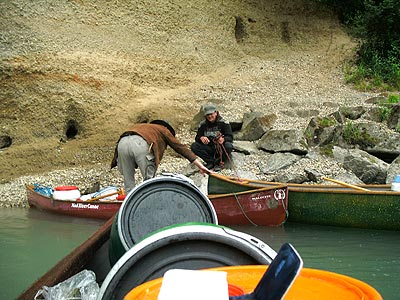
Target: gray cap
x=209, y=109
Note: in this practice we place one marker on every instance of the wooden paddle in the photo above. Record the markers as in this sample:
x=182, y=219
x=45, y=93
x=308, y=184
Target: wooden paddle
x=345, y=184
x=119, y=192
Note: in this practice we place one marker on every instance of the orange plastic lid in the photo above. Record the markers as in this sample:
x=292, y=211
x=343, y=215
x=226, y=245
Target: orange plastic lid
x=66, y=188
x=311, y=284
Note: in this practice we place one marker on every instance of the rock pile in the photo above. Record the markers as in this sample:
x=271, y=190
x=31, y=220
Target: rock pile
x=356, y=138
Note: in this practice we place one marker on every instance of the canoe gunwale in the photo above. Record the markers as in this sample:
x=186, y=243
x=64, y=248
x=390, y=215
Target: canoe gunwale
x=256, y=190
x=374, y=189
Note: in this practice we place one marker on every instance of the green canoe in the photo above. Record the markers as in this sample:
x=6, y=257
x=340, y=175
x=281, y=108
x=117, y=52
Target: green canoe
x=364, y=206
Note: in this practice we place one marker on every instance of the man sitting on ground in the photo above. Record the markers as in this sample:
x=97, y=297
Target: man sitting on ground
x=213, y=141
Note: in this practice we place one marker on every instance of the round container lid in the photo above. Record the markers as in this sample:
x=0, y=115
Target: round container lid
x=160, y=202
x=65, y=188
x=182, y=246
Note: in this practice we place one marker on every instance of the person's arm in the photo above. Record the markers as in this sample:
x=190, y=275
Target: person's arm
x=175, y=144
x=202, y=168
x=200, y=133
x=226, y=131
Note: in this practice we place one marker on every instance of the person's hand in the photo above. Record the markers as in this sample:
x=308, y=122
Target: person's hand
x=202, y=168
x=204, y=140
x=221, y=140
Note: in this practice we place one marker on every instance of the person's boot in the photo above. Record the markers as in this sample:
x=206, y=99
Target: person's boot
x=209, y=165
x=219, y=167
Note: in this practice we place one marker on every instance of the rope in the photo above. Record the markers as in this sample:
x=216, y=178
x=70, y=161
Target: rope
x=220, y=149
x=243, y=212
x=286, y=211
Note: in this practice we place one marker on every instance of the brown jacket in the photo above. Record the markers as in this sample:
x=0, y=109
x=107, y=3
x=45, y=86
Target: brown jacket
x=159, y=137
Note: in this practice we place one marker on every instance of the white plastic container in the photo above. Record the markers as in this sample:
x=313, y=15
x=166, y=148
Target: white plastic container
x=396, y=184
x=66, y=192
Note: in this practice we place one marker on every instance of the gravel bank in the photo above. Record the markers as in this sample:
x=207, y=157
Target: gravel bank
x=292, y=89
x=131, y=58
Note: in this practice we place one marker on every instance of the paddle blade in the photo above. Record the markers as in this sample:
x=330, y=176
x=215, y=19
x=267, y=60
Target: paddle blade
x=278, y=278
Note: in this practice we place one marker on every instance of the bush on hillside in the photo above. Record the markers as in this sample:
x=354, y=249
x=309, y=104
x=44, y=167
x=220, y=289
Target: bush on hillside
x=377, y=24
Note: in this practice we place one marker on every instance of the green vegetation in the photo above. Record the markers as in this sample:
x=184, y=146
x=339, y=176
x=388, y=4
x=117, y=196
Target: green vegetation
x=355, y=135
x=385, y=107
x=308, y=134
x=351, y=133
x=376, y=23
x=327, y=150
x=326, y=122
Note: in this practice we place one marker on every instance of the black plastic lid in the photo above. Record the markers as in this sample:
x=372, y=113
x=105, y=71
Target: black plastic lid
x=160, y=202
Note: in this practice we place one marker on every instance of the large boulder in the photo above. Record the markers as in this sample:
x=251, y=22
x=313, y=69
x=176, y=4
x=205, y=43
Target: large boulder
x=255, y=128
x=365, y=166
x=291, y=140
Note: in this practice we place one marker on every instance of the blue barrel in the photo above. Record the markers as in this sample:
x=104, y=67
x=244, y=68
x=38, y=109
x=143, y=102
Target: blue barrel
x=154, y=204
x=190, y=246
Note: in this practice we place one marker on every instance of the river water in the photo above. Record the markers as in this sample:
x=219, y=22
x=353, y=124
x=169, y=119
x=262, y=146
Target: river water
x=33, y=241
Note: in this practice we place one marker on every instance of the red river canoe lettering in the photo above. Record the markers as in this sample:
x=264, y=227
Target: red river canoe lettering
x=262, y=197
x=81, y=205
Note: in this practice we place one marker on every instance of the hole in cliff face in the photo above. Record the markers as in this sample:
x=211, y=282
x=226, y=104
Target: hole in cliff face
x=5, y=141
x=72, y=129
x=285, y=32
x=240, y=30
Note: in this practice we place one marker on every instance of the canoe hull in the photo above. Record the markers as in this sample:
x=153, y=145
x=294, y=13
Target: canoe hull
x=95, y=209
x=333, y=205
x=261, y=207
x=358, y=210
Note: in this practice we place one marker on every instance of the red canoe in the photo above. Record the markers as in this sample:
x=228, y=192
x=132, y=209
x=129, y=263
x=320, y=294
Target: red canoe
x=265, y=206
x=94, y=209
x=261, y=206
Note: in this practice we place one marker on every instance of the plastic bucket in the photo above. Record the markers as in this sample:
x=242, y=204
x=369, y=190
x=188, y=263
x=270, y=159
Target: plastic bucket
x=66, y=192
x=154, y=204
x=396, y=184
x=311, y=284
x=183, y=246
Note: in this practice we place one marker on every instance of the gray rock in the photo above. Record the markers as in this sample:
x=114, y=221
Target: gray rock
x=302, y=113
x=353, y=113
x=284, y=141
x=373, y=114
x=291, y=178
x=278, y=161
x=246, y=147
x=367, y=167
x=313, y=175
x=393, y=121
x=321, y=131
x=256, y=128
x=246, y=174
x=348, y=177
